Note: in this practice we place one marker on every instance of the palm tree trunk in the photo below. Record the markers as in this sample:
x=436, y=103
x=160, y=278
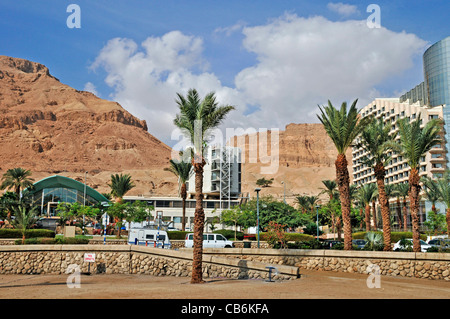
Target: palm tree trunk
x=399, y=213
x=199, y=221
x=384, y=203
x=405, y=216
x=447, y=218
x=343, y=181
x=183, y=197
x=374, y=210
x=414, y=189
x=367, y=217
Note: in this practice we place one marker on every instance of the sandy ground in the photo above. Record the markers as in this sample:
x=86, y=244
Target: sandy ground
x=311, y=285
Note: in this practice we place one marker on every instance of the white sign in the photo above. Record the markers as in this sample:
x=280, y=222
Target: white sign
x=89, y=257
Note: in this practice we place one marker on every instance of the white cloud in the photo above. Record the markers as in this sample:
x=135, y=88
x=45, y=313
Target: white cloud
x=90, y=87
x=342, y=9
x=301, y=62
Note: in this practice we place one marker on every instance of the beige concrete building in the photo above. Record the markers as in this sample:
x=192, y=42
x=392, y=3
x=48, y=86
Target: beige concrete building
x=433, y=163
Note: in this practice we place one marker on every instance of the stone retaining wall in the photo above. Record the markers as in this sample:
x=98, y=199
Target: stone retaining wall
x=124, y=259
x=404, y=264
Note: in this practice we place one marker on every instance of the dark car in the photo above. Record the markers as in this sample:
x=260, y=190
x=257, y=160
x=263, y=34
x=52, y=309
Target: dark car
x=329, y=244
x=359, y=243
x=47, y=223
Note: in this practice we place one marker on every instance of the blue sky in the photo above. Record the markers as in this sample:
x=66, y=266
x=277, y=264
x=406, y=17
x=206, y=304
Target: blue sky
x=224, y=46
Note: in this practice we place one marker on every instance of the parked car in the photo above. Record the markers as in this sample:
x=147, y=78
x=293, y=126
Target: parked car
x=47, y=223
x=439, y=243
x=328, y=244
x=360, y=243
x=210, y=240
x=423, y=245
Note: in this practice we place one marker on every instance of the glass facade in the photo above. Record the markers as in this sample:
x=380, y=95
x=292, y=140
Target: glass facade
x=436, y=64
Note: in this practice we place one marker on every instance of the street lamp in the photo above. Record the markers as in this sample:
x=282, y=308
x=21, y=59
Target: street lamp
x=84, y=197
x=317, y=220
x=284, y=184
x=257, y=213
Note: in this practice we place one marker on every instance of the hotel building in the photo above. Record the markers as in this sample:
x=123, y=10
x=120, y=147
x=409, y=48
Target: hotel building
x=429, y=99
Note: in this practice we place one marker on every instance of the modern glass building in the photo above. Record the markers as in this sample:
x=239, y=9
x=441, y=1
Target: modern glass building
x=49, y=192
x=436, y=65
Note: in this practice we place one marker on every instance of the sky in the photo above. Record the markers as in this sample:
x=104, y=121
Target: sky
x=275, y=61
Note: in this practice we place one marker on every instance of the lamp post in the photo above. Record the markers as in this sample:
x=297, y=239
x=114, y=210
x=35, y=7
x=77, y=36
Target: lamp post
x=257, y=213
x=84, y=198
x=317, y=220
x=284, y=191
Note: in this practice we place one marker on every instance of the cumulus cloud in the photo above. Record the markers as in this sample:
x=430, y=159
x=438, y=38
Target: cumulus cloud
x=301, y=62
x=342, y=9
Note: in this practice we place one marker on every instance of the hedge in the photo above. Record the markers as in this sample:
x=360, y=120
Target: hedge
x=291, y=237
x=177, y=234
x=54, y=241
x=395, y=236
x=29, y=233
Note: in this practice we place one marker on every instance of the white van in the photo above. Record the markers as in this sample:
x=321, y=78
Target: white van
x=210, y=240
x=149, y=237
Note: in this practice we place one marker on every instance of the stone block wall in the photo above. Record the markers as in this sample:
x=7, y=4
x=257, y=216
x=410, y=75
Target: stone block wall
x=124, y=259
x=402, y=264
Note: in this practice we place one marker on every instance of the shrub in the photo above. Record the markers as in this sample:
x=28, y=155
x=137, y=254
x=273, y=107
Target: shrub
x=54, y=241
x=395, y=236
x=30, y=233
x=229, y=234
x=296, y=237
x=177, y=234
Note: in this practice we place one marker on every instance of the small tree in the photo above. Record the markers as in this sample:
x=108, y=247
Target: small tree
x=263, y=182
x=276, y=235
x=25, y=218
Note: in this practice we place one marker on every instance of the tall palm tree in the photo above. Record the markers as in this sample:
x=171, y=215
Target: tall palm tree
x=365, y=195
x=120, y=185
x=197, y=118
x=17, y=179
x=403, y=191
x=415, y=142
x=343, y=127
x=376, y=140
x=181, y=169
x=443, y=186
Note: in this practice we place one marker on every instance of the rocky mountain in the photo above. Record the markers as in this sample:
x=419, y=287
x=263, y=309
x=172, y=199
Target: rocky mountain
x=303, y=156
x=51, y=128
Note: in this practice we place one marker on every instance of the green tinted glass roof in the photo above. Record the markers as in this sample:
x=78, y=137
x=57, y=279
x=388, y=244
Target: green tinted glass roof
x=66, y=182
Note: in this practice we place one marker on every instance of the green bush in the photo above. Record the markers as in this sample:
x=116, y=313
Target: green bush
x=395, y=236
x=53, y=241
x=291, y=237
x=30, y=233
x=229, y=234
x=177, y=234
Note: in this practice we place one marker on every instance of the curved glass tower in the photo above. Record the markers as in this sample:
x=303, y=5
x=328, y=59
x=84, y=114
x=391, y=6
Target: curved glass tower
x=436, y=65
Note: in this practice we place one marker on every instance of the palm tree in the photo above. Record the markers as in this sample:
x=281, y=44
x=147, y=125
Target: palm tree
x=431, y=191
x=403, y=191
x=17, y=179
x=181, y=169
x=312, y=202
x=120, y=185
x=415, y=142
x=365, y=195
x=443, y=186
x=396, y=194
x=25, y=217
x=197, y=118
x=343, y=127
x=330, y=188
x=303, y=203
x=376, y=141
